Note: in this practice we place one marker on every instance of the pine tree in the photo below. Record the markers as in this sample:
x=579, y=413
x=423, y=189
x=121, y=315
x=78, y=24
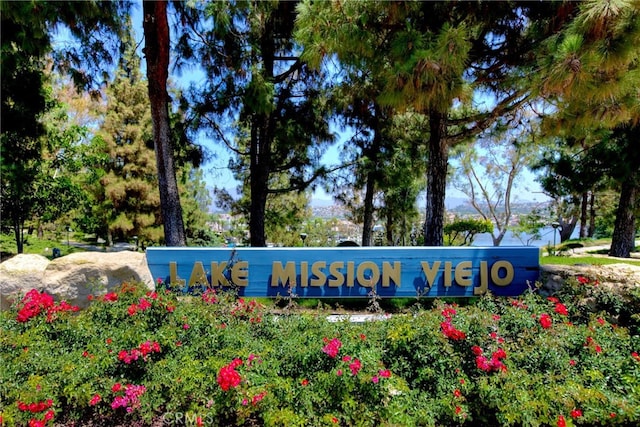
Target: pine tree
x=429, y=58
x=261, y=100
x=127, y=198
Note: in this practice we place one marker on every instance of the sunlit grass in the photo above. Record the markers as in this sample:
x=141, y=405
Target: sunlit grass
x=588, y=260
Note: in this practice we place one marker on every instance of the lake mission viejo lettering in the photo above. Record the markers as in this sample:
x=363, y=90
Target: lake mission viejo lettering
x=348, y=272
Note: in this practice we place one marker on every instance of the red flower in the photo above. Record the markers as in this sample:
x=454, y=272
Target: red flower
x=545, y=321
x=111, y=296
x=384, y=373
x=133, y=309
x=451, y=332
x=304, y=382
x=561, y=421
x=576, y=413
x=476, y=350
x=116, y=387
x=228, y=377
x=95, y=400
x=561, y=309
x=457, y=393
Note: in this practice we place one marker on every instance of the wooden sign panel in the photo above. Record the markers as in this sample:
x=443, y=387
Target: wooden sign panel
x=348, y=272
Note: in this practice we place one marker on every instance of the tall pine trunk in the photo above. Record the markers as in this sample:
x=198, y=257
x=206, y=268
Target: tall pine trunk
x=156, y=51
x=372, y=179
x=259, y=179
x=436, y=180
x=583, y=215
x=623, y=240
x=260, y=145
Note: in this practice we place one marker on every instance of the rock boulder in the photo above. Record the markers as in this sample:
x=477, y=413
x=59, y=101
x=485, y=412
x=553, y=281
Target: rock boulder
x=20, y=274
x=72, y=277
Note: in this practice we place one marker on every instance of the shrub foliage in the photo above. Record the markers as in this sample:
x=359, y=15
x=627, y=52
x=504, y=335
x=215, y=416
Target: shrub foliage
x=136, y=357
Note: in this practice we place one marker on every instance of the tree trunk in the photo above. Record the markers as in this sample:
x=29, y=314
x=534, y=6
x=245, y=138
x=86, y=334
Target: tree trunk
x=17, y=230
x=259, y=180
x=436, y=180
x=592, y=215
x=367, y=221
x=372, y=154
x=583, y=215
x=261, y=144
x=156, y=51
x=623, y=239
x=567, y=229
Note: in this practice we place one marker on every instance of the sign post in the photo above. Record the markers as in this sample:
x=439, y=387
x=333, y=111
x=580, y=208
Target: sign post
x=348, y=272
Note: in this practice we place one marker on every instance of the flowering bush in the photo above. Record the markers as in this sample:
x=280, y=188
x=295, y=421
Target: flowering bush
x=140, y=357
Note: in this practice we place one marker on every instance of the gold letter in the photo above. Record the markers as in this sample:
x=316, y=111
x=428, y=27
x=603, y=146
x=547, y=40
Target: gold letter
x=430, y=272
x=217, y=278
x=240, y=273
x=334, y=269
x=198, y=275
x=448, y=273
x=484, y=280
x=463, y=273
x=278, y=274
x=350, y=266
x=173, y=275
x=391, y=273
x=375, y=274
x=495, y=270
x=316, y=270
x=304, y=274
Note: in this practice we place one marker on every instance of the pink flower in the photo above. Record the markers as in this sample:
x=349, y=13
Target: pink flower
x=375, y=379
x=95, y=400
x=257, y=398
x=384, y=373
x=355, y=367
x=332, y=347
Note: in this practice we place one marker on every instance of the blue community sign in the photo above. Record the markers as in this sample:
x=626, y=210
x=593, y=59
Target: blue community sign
x=349, y=272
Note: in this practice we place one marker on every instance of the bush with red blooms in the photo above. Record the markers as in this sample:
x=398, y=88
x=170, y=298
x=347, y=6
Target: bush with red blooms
x=220, y=360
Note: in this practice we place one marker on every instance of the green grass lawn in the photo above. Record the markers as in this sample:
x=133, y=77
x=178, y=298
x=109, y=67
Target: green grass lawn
x=587, y=259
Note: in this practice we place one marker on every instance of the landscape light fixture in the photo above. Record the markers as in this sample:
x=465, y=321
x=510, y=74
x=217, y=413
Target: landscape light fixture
x=555, y=226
